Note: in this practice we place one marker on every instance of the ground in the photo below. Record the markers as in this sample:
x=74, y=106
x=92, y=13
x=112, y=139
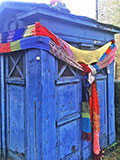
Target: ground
x=113, y=152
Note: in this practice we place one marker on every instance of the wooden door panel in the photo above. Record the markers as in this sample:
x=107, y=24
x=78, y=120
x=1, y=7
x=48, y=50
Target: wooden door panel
x=102, y=95
x=16, y=118
x=67, y=100
x=15, y=105
x=68, y=113
x=68, y=140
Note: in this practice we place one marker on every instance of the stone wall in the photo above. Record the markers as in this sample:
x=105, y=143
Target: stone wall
x=117, y=108
x=109, y=12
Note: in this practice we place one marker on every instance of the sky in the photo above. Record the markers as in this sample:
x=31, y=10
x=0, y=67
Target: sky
x=77, y=7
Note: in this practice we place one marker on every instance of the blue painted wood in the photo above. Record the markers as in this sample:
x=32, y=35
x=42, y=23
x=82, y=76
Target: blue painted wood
x=102, y=96
x=14, y=120
x=67, y=100
x=48, y=106
x=111, y=105
x=58, y=110
x=41, y=113
x=55, y=14
x=68, y=112
x=15, y=108
x=69, y=141
x=73, y=29
x=33, y=110
x=86, y=149
x=12, y=156
x=67, y=80
x=3, y=110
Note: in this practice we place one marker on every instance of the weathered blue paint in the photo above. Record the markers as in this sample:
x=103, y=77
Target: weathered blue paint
x=41, y=108
x=48, y=106
x=111, y=109
x=68, y=118
x=102, y=95
x=3, y=111
x=33, y=110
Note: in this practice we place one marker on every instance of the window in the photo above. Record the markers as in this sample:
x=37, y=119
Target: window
x=15, y=65
x=65, y=70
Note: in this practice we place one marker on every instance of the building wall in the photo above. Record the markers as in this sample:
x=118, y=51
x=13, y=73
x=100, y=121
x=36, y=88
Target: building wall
x=117, y=109
x=109, y=12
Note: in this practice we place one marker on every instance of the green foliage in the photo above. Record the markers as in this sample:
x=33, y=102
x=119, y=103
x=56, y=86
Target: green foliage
x=113, y=145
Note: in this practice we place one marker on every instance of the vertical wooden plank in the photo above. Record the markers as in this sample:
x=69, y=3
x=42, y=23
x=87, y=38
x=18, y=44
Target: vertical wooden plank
x=48, y=106
x=87, y=149
x=7, y=103
x=102, y=95
x=3, y=110
x=86, y=146
x=111, y=106
x=33, y=110
x=15, y=105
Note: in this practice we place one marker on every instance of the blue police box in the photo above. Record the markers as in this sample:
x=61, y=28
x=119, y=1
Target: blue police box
x=41, y=96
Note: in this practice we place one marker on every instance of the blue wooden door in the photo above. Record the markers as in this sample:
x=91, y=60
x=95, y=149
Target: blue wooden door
x=14, y=106
x=102, y=95
x=68, y=111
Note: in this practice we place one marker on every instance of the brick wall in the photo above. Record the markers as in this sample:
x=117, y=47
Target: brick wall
x=109, y=12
